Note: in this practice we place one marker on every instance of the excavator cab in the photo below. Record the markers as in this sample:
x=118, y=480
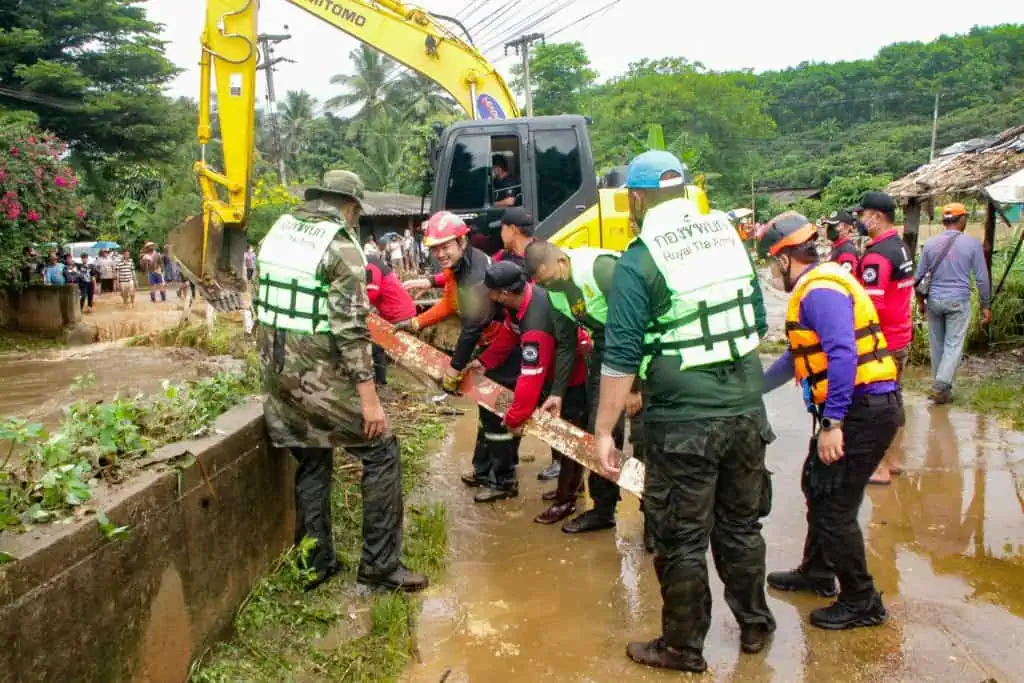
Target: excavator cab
x=543, y=164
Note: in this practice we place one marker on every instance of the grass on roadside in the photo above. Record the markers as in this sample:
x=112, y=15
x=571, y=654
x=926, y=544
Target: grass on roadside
x=338, y=632
x=22, y=342
x=994, y=392
x=225, y=338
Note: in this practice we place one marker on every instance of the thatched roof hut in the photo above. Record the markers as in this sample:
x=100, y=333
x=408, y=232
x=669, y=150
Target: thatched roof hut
x=964, y=168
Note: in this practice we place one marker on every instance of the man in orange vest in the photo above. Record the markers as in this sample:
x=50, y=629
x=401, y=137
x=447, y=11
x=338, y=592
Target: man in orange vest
x=839, y=355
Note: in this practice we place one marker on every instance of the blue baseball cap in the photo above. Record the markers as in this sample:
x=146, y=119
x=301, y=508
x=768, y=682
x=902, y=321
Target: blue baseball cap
x=645, y=171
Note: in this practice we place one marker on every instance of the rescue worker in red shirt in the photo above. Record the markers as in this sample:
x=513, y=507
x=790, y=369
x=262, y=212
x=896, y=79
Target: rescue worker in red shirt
x=552, y=363
x=464, y=268
x=391, y=301
x=841, y=229
x=887, y=273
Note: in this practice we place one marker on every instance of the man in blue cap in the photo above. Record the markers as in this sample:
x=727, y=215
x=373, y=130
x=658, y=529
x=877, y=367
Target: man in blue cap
x=681, y=317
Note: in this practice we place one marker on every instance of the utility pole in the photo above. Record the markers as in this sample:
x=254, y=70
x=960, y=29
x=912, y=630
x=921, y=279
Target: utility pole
x=522, y=48
x=753, y=199
x=935, y=126
x=267, y=42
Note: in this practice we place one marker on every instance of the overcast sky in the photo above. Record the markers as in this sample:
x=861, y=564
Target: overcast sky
x=722, y=35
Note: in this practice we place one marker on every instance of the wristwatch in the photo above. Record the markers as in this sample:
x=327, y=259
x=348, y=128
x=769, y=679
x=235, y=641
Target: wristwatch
x=828, y=424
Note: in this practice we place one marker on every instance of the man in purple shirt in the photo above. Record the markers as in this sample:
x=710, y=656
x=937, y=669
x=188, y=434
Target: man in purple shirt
x=948, y=303
x=837, y=351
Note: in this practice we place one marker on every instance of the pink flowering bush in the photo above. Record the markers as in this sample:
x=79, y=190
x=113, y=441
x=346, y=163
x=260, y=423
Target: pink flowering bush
x=38, y=201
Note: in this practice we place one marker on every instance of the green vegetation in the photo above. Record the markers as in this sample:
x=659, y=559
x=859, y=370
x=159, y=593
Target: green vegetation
x=12, y=341
x=225, y=338
x=337, y=633
x=54, y=473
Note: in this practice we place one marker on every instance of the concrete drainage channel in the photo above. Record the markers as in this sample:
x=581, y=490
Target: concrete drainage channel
x=77, y=607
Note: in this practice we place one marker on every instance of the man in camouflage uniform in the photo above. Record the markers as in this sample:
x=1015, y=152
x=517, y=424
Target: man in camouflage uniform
x=681, y=317
x=319, y=380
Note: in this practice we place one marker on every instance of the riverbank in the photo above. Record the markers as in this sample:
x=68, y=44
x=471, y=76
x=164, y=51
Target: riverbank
x=341, y=632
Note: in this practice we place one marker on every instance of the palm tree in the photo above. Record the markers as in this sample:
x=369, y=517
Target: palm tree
x=295, y=115
x=420, y=98
x=366, y=87
x=382, y=154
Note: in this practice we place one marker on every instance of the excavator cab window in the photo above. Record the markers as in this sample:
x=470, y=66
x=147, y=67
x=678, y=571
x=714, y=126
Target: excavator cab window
x=557, y=167
x=483, y=179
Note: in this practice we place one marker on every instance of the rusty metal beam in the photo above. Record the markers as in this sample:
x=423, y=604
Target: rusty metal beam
x=571, y=441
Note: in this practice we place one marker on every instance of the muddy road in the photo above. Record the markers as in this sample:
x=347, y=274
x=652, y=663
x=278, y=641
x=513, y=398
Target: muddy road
x=521, y=601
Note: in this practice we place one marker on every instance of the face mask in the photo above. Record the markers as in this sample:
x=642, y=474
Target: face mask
x=862, y=228
x=832, y=232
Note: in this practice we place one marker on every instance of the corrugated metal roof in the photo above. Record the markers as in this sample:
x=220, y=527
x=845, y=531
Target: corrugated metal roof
x=382, y=203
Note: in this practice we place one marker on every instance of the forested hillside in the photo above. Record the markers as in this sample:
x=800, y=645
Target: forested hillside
x=875, y=116
x=80, y=91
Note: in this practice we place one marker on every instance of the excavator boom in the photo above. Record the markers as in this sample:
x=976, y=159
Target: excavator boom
x=210, y=247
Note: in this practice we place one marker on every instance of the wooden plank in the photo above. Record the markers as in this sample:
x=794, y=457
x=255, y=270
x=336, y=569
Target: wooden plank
x=573, y=442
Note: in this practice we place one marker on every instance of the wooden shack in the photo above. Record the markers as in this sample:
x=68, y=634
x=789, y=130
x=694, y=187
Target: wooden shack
x=963, y=169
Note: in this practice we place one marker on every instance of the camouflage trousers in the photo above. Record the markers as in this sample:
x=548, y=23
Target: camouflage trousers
x=381, y=488
x=706, y=479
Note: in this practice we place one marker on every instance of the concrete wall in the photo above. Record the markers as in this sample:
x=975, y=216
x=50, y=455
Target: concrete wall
x=41, y=309
x=77, y=607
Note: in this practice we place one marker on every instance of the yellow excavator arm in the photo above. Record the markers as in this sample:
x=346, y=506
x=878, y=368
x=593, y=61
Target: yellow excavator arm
x=210, y=246
x=408, y=35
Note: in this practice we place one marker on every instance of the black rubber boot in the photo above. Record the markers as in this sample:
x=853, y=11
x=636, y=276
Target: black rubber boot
x=796, y=580
x=493, y=494
x=657, y=654
x=753, y=637
x=843, y=614
x=402, y=579
x=591, y=520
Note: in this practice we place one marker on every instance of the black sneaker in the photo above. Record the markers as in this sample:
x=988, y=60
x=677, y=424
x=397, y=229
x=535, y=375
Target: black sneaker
x=753, y=637
x=491, y=494
x=551, y=471
x=402, y=579
x=796, y=580
x=591, y=520
x=473, y=480
x=843, y=614
x=657, y=654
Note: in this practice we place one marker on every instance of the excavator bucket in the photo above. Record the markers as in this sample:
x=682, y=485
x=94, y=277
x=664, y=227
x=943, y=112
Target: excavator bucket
x=213, y=260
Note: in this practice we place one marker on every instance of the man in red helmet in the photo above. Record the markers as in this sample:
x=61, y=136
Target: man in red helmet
x=464, y=267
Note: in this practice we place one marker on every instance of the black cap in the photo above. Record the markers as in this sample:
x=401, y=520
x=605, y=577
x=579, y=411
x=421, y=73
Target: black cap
x=505, y=275
x=876, y=201
x=519, y=217
x=840, y=216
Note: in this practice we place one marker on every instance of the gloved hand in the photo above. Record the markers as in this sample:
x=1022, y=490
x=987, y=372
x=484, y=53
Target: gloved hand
x=450, y=382
x=407, y=325
x=818, y=479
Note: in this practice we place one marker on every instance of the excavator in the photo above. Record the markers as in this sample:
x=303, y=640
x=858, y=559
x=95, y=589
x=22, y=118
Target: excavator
x=550, y=156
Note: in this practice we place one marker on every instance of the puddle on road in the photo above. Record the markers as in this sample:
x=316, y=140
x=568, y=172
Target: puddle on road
x=521, y=601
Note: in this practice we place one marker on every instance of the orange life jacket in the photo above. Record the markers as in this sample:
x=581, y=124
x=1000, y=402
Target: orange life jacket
x=874, y=362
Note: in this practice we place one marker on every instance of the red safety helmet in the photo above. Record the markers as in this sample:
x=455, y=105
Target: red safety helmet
x=444, y=226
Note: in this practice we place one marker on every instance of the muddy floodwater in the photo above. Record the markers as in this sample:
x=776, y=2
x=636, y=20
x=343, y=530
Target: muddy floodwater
x=35, y=385
x=525, y=602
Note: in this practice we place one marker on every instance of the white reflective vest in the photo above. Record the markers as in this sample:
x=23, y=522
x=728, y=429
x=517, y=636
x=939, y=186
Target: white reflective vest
x=709, y=277
x=290, y=294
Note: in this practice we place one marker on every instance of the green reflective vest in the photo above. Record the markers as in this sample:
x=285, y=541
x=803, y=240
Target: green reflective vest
x=290, y=294
x=708, y=273
x=593, y=314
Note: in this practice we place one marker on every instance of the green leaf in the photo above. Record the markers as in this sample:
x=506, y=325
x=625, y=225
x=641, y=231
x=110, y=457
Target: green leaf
x=6, y=558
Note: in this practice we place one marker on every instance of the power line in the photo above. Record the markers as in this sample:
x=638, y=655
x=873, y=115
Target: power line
x=527, y=24
x=585, y=17
x=492, y=21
